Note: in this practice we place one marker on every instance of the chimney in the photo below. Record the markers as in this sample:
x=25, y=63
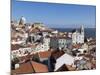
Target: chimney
x=16, y=66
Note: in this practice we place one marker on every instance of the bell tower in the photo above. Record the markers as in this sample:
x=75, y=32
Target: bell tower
x=22, y=21
x=82, y=34
x=82, y=29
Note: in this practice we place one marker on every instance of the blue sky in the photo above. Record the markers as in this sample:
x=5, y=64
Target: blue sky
x=55, y=15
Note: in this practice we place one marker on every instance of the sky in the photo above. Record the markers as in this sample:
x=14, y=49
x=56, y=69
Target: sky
x=55, y=15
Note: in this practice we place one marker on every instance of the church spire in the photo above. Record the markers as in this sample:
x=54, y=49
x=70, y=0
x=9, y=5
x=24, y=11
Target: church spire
x=22, y=21
x=82, y=29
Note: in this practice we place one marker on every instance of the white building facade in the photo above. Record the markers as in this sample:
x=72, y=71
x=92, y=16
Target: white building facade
x=78, y=37
x=64, y=59
x=59, y=43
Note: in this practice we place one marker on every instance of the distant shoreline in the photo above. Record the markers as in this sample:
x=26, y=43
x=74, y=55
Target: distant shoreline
x=89, y=32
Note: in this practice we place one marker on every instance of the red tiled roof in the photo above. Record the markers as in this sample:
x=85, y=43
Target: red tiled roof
x=30, y=67
x=24, y=68
x=38, y=67
x=77, y=46
x=57, y=54
x=45, y=54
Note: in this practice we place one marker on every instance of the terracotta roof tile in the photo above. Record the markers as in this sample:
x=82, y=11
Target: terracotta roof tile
x=77, y=46
x=24, y=68
x=45, y=54
x=30, y=67
x=57, y=54
x=38, y=67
